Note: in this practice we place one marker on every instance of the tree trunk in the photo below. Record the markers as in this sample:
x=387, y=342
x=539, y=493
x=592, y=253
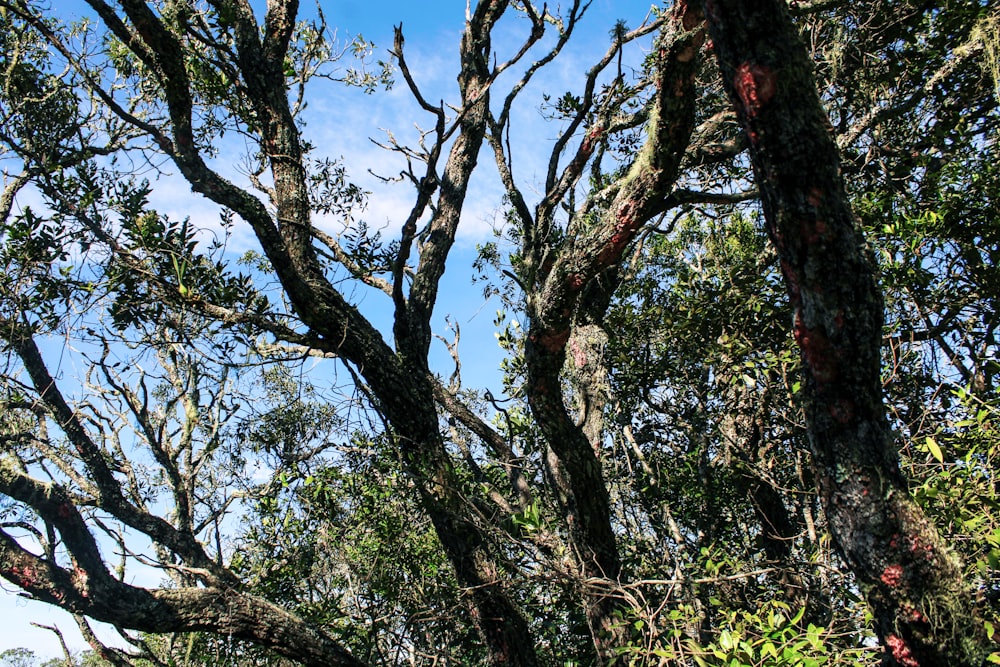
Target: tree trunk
x=555, y=311
x=922, y=606
x=397, y=378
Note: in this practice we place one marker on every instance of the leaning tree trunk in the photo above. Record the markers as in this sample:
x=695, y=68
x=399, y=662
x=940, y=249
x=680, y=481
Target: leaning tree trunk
x=922, y=606
x=397, y=378
x=555, y=311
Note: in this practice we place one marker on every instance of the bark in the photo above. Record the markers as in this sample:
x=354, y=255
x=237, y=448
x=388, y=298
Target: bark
x=923, y=609
x=398, y=379
x=560, y=275
x=474, y=80
x=586, y=365
x=505, y=630
x=94, y=593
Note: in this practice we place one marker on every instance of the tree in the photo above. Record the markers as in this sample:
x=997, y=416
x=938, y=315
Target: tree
x=914, y=582
x=529, y=522
x=22, y=657
x=18, y=657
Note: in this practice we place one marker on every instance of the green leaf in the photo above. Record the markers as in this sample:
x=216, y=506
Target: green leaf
x=934, y=449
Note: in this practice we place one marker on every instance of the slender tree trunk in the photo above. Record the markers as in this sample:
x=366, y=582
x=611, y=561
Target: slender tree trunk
x=922, y=606
x=555, y=310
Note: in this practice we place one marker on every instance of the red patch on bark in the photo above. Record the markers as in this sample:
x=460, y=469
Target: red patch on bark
x=587, y=146
x=65, y=510
x=579, y=356
x=625, y=216
x=815, y=197
x=554, y=341
x=892, y=575
x=842, y=411
x=26, y=576
x=80, y=579
x=574, y=280
x=612, y=252
x=813, y=231
x=817, y=351
x=913, y=614
x=755, y=86
x=590, y=140
x=624, y=231
x=900, y=651
x=920, y=548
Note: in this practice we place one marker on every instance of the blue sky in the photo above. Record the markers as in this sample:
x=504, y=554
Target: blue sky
x=341, y=123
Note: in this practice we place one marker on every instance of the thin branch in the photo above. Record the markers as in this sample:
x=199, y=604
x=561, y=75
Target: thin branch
x=62, y=642
x=508, y=458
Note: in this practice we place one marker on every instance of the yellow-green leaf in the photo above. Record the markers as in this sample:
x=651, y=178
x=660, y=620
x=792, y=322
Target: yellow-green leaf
x=935, y=450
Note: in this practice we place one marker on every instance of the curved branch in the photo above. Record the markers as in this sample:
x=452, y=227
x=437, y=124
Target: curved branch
x=508, y=458
x=224, y=610
x=109, y=490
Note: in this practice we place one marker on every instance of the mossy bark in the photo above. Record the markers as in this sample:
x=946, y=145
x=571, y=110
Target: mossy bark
x=922, y=606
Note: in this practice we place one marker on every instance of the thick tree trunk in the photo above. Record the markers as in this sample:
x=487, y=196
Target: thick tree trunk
x=397, y=378
x=503, y=627
x=922, y=607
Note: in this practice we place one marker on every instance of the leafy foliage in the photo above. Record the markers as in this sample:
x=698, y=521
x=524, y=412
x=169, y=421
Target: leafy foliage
x=300, y=483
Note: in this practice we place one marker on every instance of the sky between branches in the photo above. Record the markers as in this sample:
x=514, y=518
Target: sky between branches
x=341, y=123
